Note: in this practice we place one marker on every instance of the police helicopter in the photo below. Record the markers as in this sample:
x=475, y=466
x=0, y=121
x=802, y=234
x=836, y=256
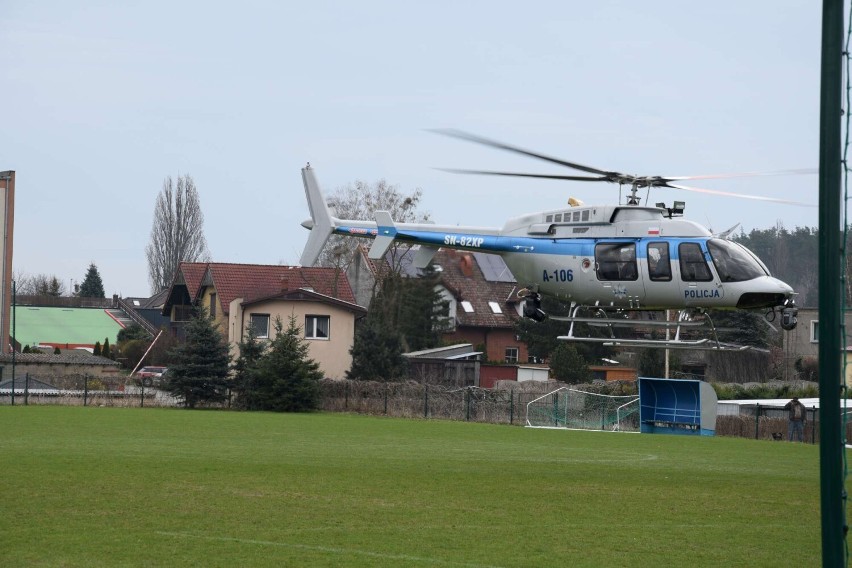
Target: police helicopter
x=617, y=265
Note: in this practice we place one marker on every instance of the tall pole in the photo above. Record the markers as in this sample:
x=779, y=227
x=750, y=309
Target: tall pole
x=831, y=444
x=15, y=339
x=7, y=218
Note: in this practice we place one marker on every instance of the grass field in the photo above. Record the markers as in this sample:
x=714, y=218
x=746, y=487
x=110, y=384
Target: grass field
x=125, y=486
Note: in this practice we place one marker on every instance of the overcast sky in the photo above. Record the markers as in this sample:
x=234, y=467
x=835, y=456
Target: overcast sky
x=102, y=100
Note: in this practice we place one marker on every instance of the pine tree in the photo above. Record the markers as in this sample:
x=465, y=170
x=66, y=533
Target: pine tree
x=568, y=365
x=245, y=367
x=376, y=353
x=423, y=311
x=105, y=352
x=57, y=351
x=285, y=378
x=201, y=369
x=97, y=349
x=92, y=286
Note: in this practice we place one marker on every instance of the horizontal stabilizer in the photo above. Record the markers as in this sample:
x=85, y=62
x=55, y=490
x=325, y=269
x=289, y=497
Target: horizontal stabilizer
x=384, y=236
x=424, y=256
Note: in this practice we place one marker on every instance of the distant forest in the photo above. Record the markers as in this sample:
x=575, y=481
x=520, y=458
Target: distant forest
x=792, y=255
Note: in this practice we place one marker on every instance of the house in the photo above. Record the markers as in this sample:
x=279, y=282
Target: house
x=483, y=303
x=147, y=312
x=802, y=343
x=241, y=295
x=480, y=291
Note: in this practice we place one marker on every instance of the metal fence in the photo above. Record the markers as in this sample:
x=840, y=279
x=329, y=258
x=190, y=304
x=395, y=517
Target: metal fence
x=402, y=400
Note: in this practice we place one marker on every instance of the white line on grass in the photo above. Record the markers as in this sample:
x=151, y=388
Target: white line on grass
x=328, y=549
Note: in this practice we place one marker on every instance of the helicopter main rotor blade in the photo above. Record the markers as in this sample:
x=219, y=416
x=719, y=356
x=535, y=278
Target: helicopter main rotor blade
x=803, y=171
x=740, y=195
x=500, y=145
x=515, y=174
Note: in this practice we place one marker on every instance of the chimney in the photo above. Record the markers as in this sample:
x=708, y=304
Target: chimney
x=466, y=265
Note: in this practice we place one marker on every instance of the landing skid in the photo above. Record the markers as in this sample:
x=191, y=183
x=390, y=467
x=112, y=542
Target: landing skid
x=687, y=320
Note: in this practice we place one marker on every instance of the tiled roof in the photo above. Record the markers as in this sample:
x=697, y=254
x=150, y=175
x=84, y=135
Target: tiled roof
x=64, y=358
x=154, y=302
x=462, y=276
x=193, y=273
x=253, y=281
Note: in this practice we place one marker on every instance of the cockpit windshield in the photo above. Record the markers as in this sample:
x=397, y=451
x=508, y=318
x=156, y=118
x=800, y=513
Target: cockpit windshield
x=733, y=262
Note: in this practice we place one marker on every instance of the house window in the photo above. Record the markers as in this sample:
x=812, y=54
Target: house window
x=495, y=307
x=182, y=313
x=317, y=327
x=814, y=331
x=511, y=354
x=260, y=325
x=467, y=306
x=212, y=305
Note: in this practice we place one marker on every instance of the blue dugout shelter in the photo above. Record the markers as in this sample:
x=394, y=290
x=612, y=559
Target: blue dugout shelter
x=675, y=406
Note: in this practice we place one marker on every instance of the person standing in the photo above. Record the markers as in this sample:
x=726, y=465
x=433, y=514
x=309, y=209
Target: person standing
x=797, y=416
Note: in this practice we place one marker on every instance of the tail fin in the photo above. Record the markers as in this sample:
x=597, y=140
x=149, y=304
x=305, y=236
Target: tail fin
x=321, y=223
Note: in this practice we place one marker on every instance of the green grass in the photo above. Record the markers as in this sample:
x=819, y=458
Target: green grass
x=130, y=487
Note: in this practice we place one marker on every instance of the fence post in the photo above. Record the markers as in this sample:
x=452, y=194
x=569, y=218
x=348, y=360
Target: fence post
x=757, y=421
x=425, y=401
x=142, y=394
x=346, y=396
x=813, y=426
x=556, y=409
x=467, y=405
x=85, y=390
x=511, y=406
x=27, y=389
x=386, y=399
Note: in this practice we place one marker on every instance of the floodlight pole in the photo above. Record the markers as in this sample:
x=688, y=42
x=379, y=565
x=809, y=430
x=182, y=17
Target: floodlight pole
x=832, y=501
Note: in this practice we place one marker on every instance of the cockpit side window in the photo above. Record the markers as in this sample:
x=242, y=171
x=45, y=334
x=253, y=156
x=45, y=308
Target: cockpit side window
x=693, y=267
x=733, y=262
x=659, y=263
x=616, y=261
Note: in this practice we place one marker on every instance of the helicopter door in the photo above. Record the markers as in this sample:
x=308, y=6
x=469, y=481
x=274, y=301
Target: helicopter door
x=697, y=281
x=617, y=271
x=660, y=287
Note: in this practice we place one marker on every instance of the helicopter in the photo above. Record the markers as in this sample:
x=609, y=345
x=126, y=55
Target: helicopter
x=617, y=265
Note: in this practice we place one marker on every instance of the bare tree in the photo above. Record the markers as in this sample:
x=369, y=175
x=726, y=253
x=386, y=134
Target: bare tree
x=38, y=285
x=177, y=234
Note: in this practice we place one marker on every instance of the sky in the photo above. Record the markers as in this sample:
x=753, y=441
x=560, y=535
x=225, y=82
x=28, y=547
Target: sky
x=101, y=101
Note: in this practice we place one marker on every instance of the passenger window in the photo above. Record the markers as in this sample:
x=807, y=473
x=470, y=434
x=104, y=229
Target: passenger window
x=586, y=215
x=616, y=261
x=576, y=218
x=659, y=263
x=693, y=267
x=548, y=219
x=557, y=218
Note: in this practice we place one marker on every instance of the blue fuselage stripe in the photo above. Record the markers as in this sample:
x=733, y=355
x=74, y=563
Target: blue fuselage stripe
x=539, y=245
